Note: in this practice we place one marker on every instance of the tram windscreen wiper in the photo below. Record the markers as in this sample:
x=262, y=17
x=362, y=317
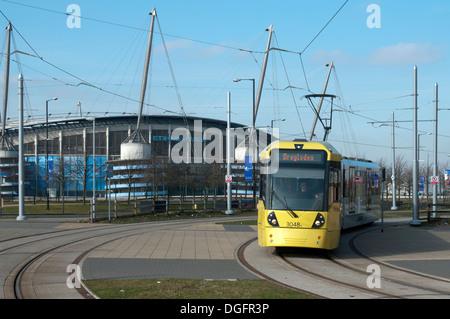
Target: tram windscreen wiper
x=284, y=203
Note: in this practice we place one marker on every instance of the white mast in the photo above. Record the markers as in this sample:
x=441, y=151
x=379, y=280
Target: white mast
x=135, y=145
x=263, y=73
x=6, y=85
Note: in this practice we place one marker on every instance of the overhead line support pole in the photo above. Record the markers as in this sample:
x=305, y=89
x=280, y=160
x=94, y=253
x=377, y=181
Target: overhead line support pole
x=435, y=149
x=415, y=220
x=21, y=164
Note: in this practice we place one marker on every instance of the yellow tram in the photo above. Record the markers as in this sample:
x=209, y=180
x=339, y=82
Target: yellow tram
x=309, y=192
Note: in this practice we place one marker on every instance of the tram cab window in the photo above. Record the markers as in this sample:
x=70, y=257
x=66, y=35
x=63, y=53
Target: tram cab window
x=299, y=188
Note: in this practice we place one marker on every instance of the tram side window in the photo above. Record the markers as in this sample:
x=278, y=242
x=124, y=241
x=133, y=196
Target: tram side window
x=333, y=187
x=262, y=187
x=369, y=189
x=351, y=190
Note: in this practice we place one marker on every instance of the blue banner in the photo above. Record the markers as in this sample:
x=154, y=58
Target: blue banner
x=421, y=184
x=248, y=169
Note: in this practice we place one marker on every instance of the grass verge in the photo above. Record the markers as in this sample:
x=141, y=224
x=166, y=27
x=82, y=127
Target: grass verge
x=191, y=289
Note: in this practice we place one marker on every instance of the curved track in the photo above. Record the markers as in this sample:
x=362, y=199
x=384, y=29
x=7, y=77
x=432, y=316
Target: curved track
x=344, y=273
x=36, y=265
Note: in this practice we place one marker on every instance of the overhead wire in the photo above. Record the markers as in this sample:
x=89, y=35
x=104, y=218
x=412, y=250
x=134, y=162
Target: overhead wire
x=321, y=30
x=291, y=88
x=130, y=27
x=88, y=83
x=82, y=81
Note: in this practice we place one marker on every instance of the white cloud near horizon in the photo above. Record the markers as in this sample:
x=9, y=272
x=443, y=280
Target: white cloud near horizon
x=406, y=53
x=398, y=54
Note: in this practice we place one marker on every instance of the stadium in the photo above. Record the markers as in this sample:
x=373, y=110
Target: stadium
x=66, y=163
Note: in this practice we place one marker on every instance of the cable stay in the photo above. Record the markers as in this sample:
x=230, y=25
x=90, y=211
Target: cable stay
x=180, y=102
x=290, y=86
x=347, y=125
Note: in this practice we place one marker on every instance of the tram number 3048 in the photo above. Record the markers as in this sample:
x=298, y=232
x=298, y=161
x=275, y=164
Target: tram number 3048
x=293, y=224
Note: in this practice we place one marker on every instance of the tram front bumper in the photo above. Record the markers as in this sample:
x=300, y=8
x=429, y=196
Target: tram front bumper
x=298, y=237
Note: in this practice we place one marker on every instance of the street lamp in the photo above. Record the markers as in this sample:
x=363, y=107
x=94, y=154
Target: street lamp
x=46, y=144
x=271, y=123
x=252, y=134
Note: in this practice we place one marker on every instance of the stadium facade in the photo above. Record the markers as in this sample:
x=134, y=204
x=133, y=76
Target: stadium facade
x=67, y=161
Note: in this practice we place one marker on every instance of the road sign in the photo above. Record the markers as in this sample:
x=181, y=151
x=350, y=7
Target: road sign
x=228, y=178
x=434, y=180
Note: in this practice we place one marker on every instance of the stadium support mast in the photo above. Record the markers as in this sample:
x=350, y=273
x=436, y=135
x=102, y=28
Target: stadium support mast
x=263, y=74
x=146, y=66
x=5, y=144
x=135, y=146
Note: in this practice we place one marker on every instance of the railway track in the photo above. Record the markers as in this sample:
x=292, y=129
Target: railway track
x=345, y=273
x=31, y=266
x=36, y=265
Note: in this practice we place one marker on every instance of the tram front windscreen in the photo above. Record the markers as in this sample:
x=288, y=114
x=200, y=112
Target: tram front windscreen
x=299, y=182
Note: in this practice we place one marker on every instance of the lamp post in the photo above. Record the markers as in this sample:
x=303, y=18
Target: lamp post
x=415, y=221
x=229, y=210
x=46, y=145
x=271, y=124
x=394, y=196
x=252, y=135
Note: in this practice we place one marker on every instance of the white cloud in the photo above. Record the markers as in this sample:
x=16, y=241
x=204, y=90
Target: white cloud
x=326, y=56
x=175, y=45
x=406, y=53
x=212, y=51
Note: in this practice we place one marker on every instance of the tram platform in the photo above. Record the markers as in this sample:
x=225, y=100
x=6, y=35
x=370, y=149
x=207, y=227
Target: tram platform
x=209, y=251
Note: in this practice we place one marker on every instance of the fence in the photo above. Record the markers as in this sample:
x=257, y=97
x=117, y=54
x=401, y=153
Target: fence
x=173, y=205
x=440, y=209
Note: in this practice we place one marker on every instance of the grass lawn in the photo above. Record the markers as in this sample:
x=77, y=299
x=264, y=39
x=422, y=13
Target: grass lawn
x=191, y=289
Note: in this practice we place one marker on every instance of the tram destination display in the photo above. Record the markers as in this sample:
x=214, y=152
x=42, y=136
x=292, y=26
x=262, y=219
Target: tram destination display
x=302, y=156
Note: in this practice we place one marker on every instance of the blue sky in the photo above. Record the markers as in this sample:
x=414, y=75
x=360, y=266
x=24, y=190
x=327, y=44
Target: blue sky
x=208, y=45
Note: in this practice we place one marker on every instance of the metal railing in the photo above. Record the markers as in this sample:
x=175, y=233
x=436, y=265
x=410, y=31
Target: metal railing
x=437, y=209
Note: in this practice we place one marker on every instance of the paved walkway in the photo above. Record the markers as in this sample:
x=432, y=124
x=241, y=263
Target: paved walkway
x=421, y=249
x=204, y=251
x=208, y=251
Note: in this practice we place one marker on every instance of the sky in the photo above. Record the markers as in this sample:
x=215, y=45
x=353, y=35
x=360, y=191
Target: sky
x=200, y=46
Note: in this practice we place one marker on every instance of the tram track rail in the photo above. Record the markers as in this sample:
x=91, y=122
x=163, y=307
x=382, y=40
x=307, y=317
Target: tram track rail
x=345, y=272
x=35, y=249
x=15, y=283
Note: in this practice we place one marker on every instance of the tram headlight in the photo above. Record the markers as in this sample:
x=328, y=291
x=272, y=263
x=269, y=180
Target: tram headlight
x=319, y=221
x=272, y=219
